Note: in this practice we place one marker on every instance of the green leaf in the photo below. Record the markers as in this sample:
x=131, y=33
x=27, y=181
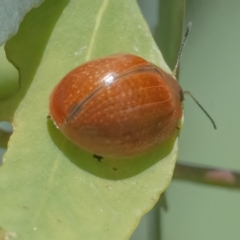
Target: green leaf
x=8, y=77
x=4, y=137
x=6, y=235
x=49, y=188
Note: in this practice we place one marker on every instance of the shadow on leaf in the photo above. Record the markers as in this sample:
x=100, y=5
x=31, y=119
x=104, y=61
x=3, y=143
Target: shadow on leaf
x=113, y=169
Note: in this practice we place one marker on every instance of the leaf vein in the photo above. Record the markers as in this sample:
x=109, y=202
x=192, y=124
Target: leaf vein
x=96, y=27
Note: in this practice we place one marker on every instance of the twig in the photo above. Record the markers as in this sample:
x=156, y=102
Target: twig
x=206, y=175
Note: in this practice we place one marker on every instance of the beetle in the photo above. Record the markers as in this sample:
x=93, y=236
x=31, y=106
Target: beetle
x=119, y=106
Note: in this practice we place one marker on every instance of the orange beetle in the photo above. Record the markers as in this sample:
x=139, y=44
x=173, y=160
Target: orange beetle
x=117, y=106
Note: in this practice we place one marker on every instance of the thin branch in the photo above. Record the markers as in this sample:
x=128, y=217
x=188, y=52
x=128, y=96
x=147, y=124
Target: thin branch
x=206, y=175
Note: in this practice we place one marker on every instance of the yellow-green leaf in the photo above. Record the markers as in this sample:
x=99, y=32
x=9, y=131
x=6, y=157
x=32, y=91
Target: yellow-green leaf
x=49, y=188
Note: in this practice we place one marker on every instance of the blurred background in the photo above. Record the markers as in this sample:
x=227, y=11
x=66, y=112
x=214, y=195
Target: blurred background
x=210, y=70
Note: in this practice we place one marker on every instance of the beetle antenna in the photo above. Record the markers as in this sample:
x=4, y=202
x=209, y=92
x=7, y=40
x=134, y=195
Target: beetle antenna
x=195, y=100
x=181, y=48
